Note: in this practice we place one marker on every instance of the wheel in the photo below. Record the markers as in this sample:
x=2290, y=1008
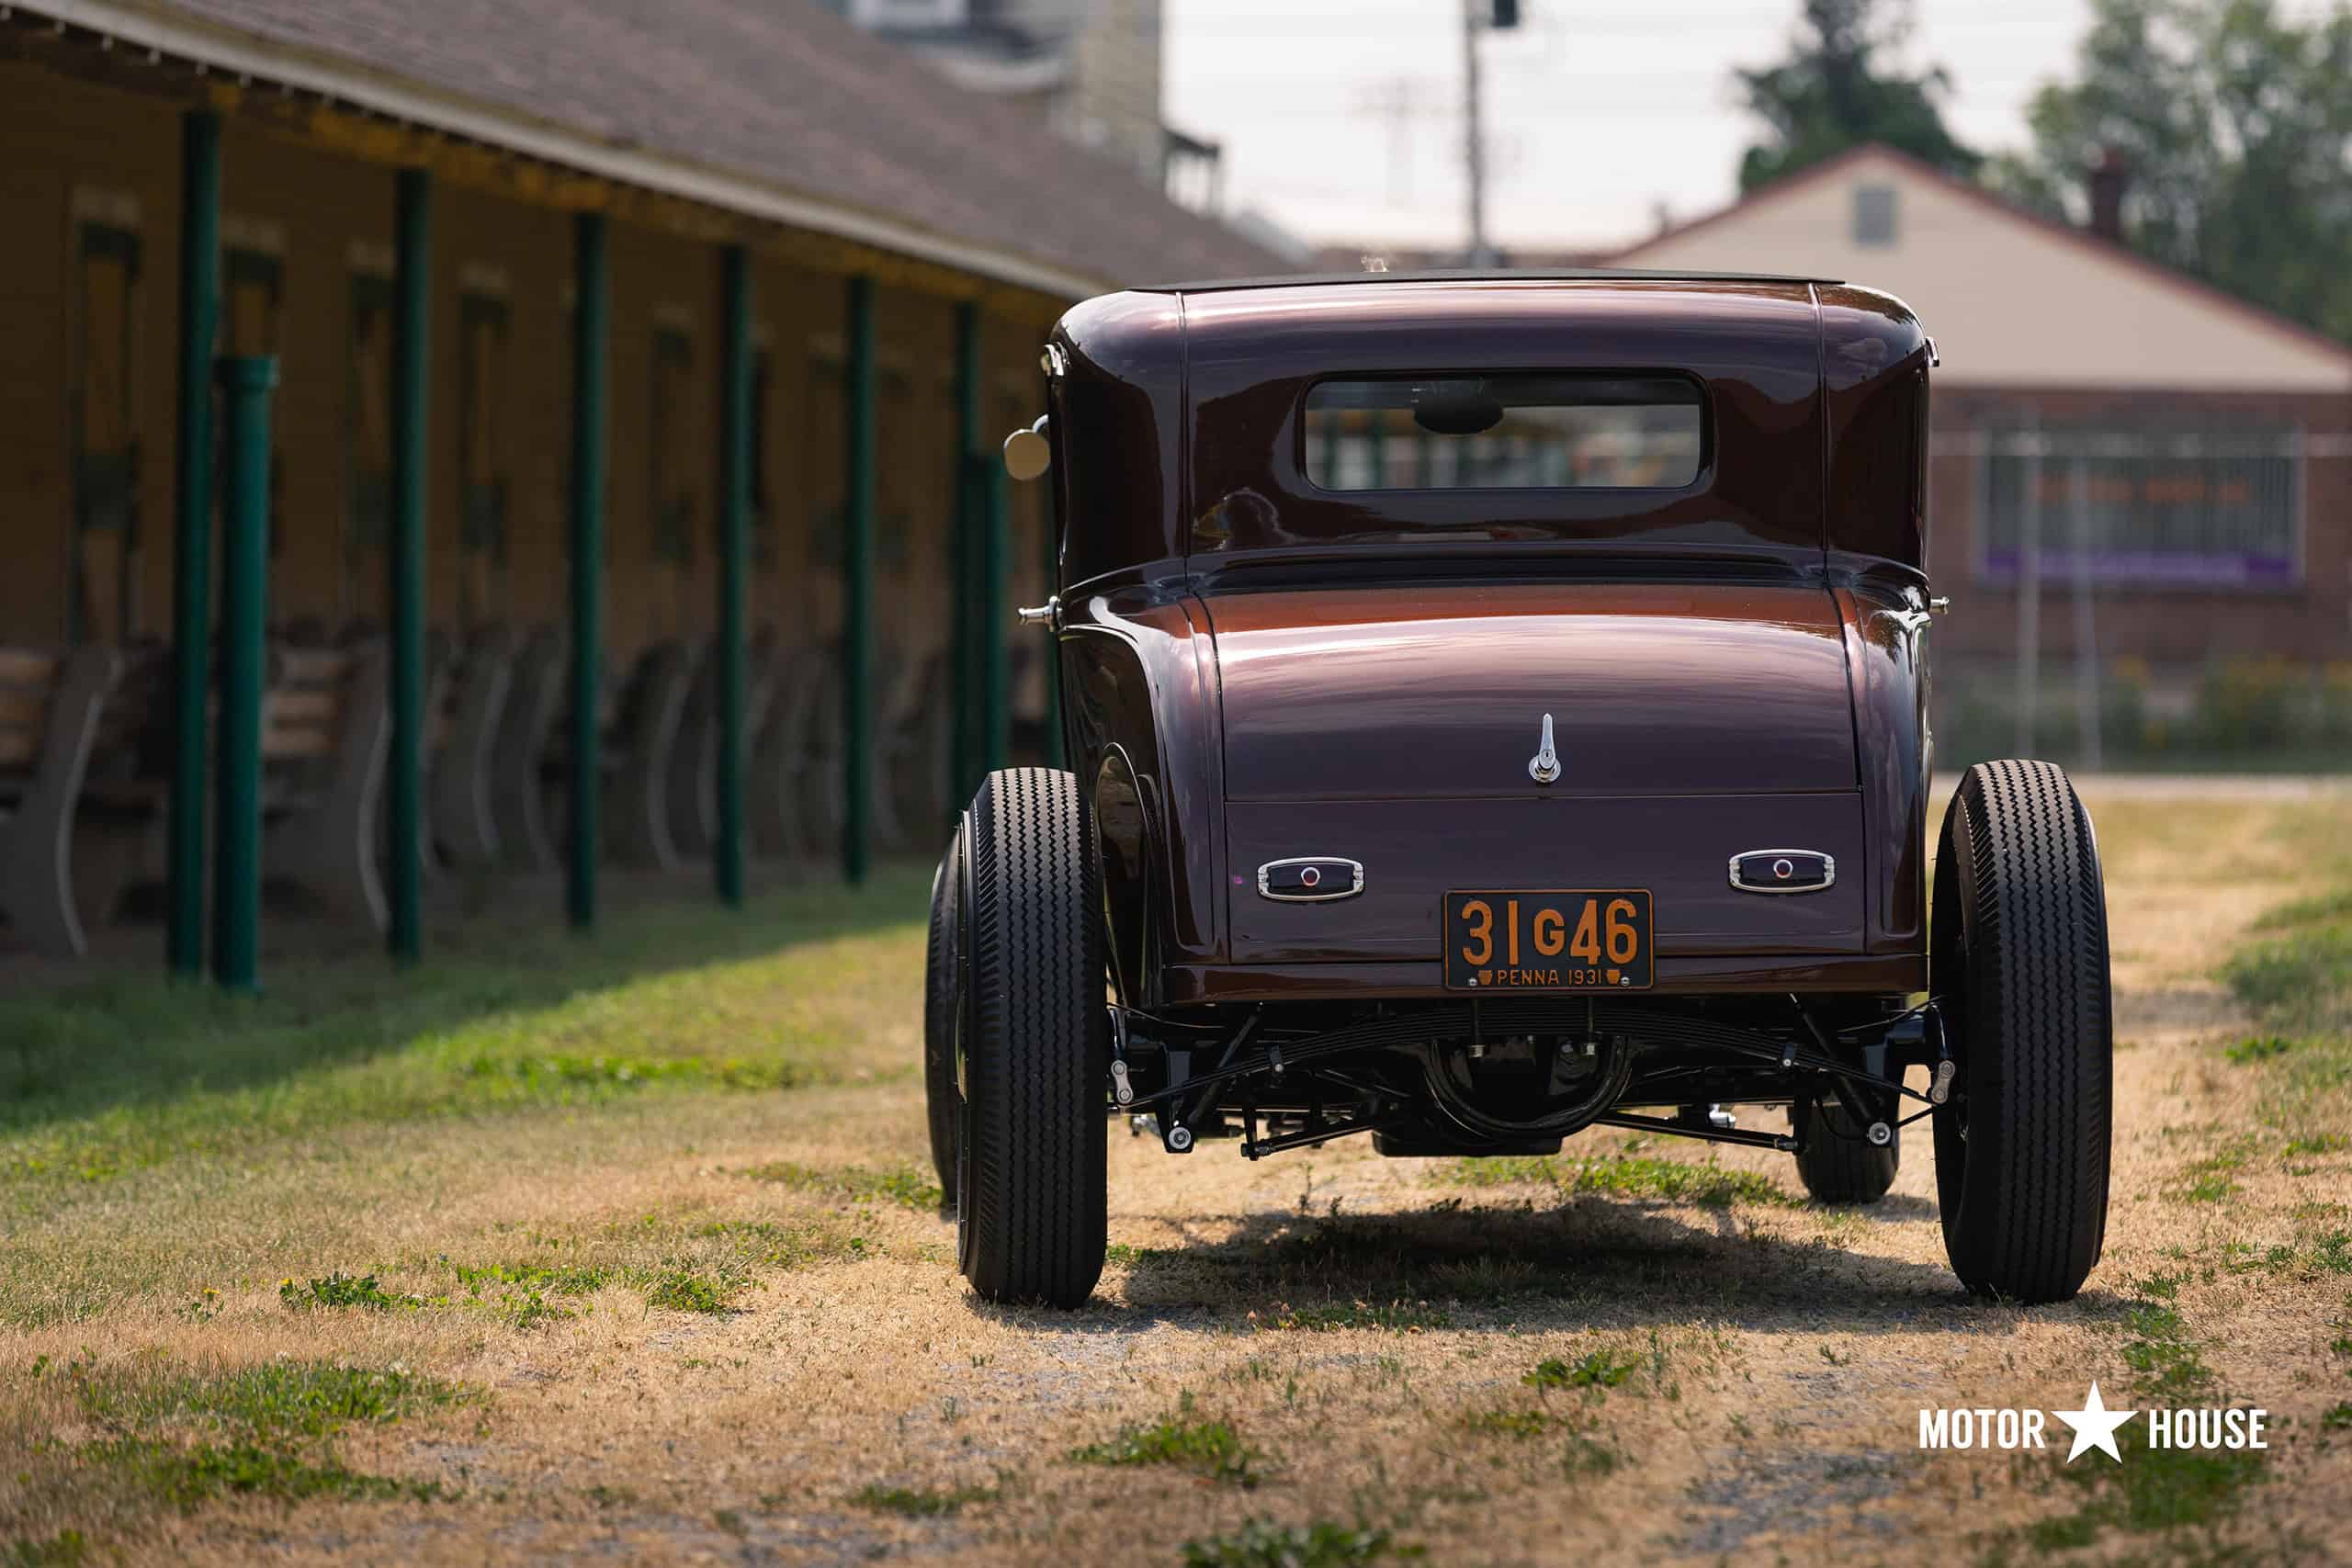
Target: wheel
x=1031, y=1192
x=2018, y=960
x=940, y=960
x=1839, y=1165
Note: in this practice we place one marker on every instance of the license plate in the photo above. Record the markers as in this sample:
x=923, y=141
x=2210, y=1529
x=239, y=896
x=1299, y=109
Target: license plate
x=1580, y=940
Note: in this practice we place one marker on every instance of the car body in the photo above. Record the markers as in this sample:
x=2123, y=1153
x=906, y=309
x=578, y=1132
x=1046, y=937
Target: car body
x=1496, y=705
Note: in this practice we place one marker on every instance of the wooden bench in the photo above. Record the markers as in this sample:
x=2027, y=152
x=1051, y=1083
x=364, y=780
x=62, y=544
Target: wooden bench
x=782, y=775
x=638, y=725
x=536, y=687
x=468, y=704
x=693, y=794
x=50, y=709
x=326, y=725
x=915, y=742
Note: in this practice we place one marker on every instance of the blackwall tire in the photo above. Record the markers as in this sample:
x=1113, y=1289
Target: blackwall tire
x=2019, y=962
x=939, y=1002
x=1840, y=1166
x=1032, y=1200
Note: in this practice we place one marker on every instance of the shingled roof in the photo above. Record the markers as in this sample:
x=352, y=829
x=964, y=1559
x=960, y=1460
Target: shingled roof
x=776, y=108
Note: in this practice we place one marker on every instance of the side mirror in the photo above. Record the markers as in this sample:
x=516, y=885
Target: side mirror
x=1027, y=453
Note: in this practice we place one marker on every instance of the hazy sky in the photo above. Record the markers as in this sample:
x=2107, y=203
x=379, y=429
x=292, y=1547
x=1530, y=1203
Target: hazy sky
x=1597, y=110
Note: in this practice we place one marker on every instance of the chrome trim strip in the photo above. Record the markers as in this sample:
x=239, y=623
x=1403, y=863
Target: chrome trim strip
x=1828, y=872
x=1353, y=888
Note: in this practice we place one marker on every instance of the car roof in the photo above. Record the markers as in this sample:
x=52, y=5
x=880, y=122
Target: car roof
x=1481, y=274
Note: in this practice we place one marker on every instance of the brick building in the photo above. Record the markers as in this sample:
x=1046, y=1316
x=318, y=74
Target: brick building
x=2168, y=465
x=904, y=244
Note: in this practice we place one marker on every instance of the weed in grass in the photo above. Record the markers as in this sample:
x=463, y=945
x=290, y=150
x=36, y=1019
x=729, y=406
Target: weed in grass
x=1211, y=1447
x=2318, y=1144
x=1511, y=1423
x=66, y=1548
x=342, y=1290
x=1586, y=1456
x=1620, y=1175
x=682, y=1290
x=921, y=1502
x=901, y=1184
x=1261, y=1544
x=731, y=1522
x=1597, y=1370
x=2258, y=1048
x=1392, y=1317
x=2162, y=1287
x=188, y=1477
x=2336, y=1417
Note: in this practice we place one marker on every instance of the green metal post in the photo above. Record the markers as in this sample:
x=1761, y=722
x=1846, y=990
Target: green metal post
x=735, y=439
x=857, y=582
x=412, y=291
x=966, y=765
x=244, y=589
x=192, y=532
x=588, y=332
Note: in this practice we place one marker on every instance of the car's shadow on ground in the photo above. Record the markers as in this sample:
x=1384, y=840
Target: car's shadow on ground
x=1588, y=1263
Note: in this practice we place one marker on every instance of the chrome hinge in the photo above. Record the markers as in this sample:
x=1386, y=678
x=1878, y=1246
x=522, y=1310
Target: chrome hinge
x=1049, y=614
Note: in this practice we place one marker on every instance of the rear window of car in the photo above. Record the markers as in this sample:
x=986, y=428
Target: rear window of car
x=1505, y=432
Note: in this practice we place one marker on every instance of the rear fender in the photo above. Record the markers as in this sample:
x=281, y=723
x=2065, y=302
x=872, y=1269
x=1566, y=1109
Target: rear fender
x=1139, y=695
x=1886, y=633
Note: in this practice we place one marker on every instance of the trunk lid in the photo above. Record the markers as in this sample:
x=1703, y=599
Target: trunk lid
x=1438, y=691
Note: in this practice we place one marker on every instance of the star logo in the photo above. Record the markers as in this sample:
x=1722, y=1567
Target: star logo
x=2094, y=1426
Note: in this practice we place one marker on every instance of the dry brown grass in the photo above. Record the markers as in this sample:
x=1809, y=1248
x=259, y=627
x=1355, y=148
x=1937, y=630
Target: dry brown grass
x=1751, y=1372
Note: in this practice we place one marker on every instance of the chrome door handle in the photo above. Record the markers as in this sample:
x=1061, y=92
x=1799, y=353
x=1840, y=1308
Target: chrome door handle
x=1049, y=614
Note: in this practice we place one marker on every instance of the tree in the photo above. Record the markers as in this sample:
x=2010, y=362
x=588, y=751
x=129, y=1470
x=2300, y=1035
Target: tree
x=1834, y=92
x=2232, y=127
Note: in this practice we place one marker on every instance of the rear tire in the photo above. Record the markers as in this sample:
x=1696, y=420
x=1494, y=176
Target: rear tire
x=1031, y=1197
x=940, y=964
x=1837, y=1165
x=2019, y=962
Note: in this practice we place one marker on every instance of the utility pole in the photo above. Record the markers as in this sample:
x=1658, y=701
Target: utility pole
x=1475, y=15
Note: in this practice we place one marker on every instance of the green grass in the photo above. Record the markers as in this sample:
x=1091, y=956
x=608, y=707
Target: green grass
x=66, y=1548
x=1211, y=1447
x=1262, y=1544
x=187, y=1478
x=182, y=1437
x=119, y=1073
x=902, y=1184
x=1620, y=1175
x=272, y=1400
x=342, y=1290
x=2295, y=976
x=921, y=1502
x=1599, y=1369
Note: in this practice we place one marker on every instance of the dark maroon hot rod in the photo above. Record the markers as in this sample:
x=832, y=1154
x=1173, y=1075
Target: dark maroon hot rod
x=1496, y=706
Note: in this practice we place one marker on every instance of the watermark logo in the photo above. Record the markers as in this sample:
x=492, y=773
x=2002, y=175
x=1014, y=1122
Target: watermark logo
x=2094, y=1426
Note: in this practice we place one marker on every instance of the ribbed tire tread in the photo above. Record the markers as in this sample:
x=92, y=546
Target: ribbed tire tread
x=1839, y=1165
x=1033, y=1218
x=2020, y=950
x=939, y=1017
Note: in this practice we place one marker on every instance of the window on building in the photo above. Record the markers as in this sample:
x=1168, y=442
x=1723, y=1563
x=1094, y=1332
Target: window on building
x=2149, y=504
x=1874, y=215
x=483, y=479
x=103, y=414
x=367, y=446
x=668, y=459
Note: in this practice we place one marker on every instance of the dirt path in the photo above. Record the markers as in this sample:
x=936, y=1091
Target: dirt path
x=1737, y=1376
